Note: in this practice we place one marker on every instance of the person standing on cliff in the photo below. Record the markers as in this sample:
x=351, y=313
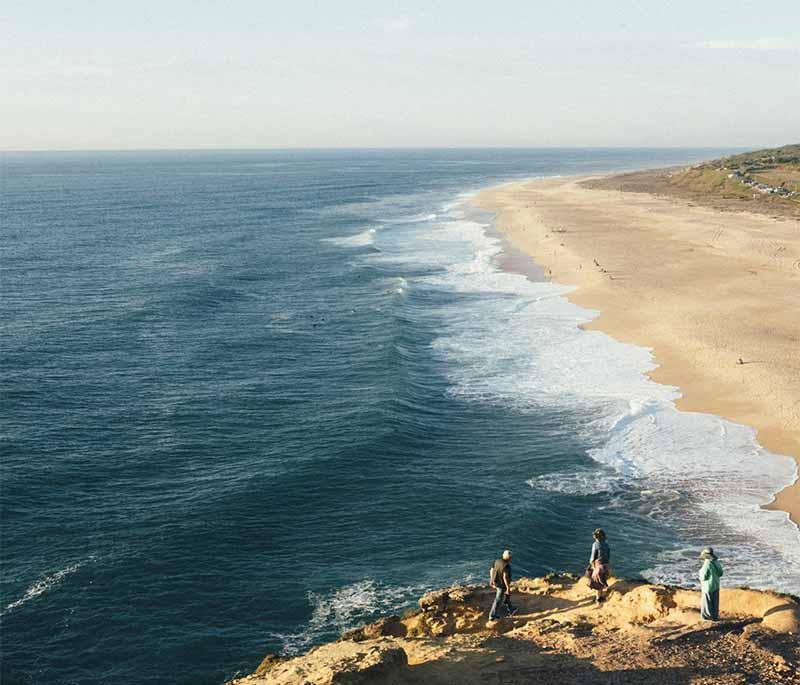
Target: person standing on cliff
x=710, y=573
x=500, y=581
x=599, y=565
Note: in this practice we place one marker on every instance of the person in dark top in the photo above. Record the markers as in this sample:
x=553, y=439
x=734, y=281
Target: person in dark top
x=500, y=581
x=599, y=565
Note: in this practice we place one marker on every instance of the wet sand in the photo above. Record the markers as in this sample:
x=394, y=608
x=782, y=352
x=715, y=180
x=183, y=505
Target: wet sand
x=704, y=288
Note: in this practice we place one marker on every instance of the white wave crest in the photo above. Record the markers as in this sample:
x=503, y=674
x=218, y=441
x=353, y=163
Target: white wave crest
x=577, y=483
x=359, y=240
x=346, y=607
x=43, y=585
x=414, y=219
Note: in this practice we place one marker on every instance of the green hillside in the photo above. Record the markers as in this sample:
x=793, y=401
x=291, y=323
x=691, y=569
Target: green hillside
x=772, y=174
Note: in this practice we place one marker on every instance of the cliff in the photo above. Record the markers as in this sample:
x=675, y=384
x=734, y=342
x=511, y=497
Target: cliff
x=643, y=634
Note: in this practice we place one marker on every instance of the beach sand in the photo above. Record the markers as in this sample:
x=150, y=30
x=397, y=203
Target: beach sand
x=700, y=286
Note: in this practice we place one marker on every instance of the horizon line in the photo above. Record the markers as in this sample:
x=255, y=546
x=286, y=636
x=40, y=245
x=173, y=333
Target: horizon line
x=389, y=148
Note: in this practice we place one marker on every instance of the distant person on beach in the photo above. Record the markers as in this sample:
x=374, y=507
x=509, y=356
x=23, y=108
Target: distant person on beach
x=500, y=581
x=709, y=575
x=599, y=565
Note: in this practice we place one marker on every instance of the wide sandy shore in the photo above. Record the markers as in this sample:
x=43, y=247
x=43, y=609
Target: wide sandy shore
x=702, y=287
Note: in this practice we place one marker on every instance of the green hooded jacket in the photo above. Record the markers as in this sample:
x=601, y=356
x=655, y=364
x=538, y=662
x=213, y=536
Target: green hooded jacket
x=710, y=575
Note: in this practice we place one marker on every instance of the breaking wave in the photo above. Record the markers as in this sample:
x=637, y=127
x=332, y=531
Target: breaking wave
x=520, y=343
x=346, y=607
x=45, y=584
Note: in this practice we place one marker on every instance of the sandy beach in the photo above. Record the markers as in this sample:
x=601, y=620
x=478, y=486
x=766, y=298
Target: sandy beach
x=705, y=288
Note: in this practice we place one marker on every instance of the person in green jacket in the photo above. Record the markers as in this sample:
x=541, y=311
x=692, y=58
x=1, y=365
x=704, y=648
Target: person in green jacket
x=709, y=575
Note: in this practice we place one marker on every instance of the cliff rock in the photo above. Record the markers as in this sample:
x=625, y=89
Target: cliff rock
x=643, y=633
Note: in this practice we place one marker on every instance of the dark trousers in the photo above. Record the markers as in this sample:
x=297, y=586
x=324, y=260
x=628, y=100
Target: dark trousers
x=709, y=605
x=501, y=597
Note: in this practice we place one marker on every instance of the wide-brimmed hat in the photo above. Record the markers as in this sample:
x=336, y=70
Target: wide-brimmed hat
x=708, y=553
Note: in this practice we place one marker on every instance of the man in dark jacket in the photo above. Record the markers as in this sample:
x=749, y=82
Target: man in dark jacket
x=500, y=581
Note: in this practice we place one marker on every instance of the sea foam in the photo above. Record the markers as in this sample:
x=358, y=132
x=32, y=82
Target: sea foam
x=519, y=343
x=344, y=607
x=358, y=240
x=43, y=585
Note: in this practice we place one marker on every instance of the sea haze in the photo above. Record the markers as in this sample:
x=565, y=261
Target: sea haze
x=252, y=399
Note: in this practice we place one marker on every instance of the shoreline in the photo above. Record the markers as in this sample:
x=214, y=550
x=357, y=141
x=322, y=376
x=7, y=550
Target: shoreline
x=686, y=305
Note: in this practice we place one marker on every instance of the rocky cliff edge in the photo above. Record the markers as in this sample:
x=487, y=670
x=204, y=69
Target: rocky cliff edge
x=644, y=633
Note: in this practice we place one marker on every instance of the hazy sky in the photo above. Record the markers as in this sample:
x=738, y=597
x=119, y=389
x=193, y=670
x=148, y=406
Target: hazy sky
x=373, y=73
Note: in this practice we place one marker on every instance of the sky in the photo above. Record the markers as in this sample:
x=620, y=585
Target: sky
x=355, y=73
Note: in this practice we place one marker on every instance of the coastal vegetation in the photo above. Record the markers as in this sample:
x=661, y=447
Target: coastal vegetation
x=761, y=181
x=772, y=174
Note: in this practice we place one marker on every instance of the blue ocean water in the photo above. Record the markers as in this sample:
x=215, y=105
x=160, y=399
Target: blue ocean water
x=251, y=399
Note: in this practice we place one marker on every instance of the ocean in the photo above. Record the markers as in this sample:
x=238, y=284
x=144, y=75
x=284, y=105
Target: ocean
x=252, y=399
